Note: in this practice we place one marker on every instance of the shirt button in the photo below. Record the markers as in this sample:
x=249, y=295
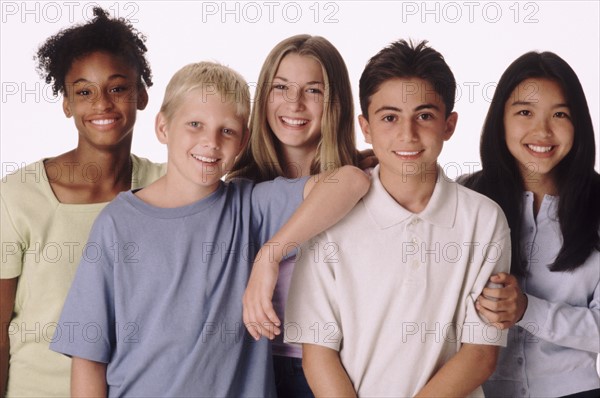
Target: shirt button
x=415, y=240
x=523, y=391
x=414, y=264
x=530, y=229
x=520, y=361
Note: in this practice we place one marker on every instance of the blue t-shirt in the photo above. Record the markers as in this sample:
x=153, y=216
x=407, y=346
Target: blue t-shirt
x=158, y=293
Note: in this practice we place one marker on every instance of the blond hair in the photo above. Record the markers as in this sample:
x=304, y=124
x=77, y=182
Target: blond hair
x=212, y=79
x=261, y=159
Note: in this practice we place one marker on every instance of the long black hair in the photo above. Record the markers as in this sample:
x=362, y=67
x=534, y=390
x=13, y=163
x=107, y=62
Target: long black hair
x=577, y=181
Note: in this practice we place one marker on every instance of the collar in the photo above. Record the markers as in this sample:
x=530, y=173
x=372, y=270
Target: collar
x=386, y=212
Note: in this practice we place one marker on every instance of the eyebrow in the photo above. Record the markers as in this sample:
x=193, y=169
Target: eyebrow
x=418, y=108
x=533, y=103
x=307, y=83
x=111, y=77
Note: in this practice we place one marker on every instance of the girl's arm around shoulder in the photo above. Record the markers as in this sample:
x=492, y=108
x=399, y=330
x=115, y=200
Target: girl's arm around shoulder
x=329, y=196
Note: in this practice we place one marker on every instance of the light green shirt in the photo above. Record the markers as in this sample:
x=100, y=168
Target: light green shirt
x=42, y=243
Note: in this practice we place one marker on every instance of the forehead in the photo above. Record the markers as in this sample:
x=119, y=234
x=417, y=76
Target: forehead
x=406, y=93
x=100, y=65
x=536, y=91
x=205, y=102
x=299, y=67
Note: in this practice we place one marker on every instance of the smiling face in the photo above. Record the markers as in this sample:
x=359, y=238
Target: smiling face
x=538, y=128
x=407, y=128
x=204, y=136
x=295, y=105
x=103, y=95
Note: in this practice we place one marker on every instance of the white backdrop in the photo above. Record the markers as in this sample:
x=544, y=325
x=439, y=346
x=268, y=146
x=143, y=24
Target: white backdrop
x=479, y=40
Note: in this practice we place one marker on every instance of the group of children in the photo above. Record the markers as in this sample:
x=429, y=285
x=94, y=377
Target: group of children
x=403, y=283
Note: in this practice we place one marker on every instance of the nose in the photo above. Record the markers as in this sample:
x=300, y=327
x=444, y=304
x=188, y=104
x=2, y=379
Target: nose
x=102, y=101
x=295, y=97
x=543, y=127
x=407, y=130
x=211, y=139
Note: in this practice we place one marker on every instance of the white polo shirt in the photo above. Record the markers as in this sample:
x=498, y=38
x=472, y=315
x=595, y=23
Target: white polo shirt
x=394, y=292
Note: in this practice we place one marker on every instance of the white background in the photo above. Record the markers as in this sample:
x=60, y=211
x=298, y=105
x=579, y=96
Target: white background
x=478, y=39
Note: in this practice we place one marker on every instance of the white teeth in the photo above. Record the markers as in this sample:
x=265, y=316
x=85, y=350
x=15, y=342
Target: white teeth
x=204, y=159
x=407, y=153
x=539, y=149
x=295, y=122
x=103, y=121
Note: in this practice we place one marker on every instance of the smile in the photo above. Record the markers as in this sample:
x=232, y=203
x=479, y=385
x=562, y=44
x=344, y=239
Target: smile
x=406, y=153
x=293, y=122
x=539, y=149
x=102, y=122
x=204, y=159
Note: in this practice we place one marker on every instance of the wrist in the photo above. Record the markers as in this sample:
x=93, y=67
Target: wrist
x=526, y=299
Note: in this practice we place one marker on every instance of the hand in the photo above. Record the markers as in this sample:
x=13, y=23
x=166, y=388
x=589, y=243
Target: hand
x=366, y=159
x=259, y=316
x=502, y=306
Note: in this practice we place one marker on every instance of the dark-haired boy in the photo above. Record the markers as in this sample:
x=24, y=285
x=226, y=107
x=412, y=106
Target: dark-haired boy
x=391, y=311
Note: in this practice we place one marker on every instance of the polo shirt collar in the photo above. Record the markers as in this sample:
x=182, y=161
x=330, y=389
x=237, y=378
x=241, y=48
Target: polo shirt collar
x=386, y=212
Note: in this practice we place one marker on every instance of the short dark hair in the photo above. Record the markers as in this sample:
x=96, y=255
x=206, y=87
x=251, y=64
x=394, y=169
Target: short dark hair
x=578, y=183
x=403, y=59
x=114, y=35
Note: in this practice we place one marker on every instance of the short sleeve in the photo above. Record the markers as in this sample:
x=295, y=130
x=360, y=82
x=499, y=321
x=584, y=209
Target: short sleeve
x=12, y=245
x=495, y=257
x=86, y=328
x=312, y=313
x=274, y=202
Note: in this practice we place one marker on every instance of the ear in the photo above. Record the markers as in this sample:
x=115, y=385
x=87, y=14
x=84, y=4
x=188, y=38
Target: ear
x=366, y=128
x=451, y=121
x=142, y=97
x=67, y=106
x=160, y=127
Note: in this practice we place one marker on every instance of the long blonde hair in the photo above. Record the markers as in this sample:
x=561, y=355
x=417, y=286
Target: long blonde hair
x=261, y=160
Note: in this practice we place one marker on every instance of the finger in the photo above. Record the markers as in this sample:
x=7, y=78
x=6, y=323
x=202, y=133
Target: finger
x=491, y=316
x=270, y=313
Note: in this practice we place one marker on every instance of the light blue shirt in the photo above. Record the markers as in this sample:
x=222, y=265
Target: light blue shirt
x=158, y=293
x=552, y=351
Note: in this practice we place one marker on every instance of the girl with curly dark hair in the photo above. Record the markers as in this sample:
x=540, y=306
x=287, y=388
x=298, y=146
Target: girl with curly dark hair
x=48, y=207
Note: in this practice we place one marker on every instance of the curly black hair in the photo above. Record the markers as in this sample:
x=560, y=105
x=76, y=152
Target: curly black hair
x=116, y=36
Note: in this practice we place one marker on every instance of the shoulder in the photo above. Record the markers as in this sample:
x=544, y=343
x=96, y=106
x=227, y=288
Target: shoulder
x=485, y=209
x=145, y=171
x=29, y=182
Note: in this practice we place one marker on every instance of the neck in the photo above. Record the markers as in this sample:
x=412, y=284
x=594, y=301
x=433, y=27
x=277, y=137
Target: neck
x=297, y=161
x=170, y=192
x=411, y=191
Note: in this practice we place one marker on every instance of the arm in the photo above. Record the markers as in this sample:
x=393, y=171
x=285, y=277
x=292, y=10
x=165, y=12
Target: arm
x=563, y=324
x=328, y=197
x=8, y=290
x=88, y=378
x=324, y=372
x=503, y=306
x=463, y=373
